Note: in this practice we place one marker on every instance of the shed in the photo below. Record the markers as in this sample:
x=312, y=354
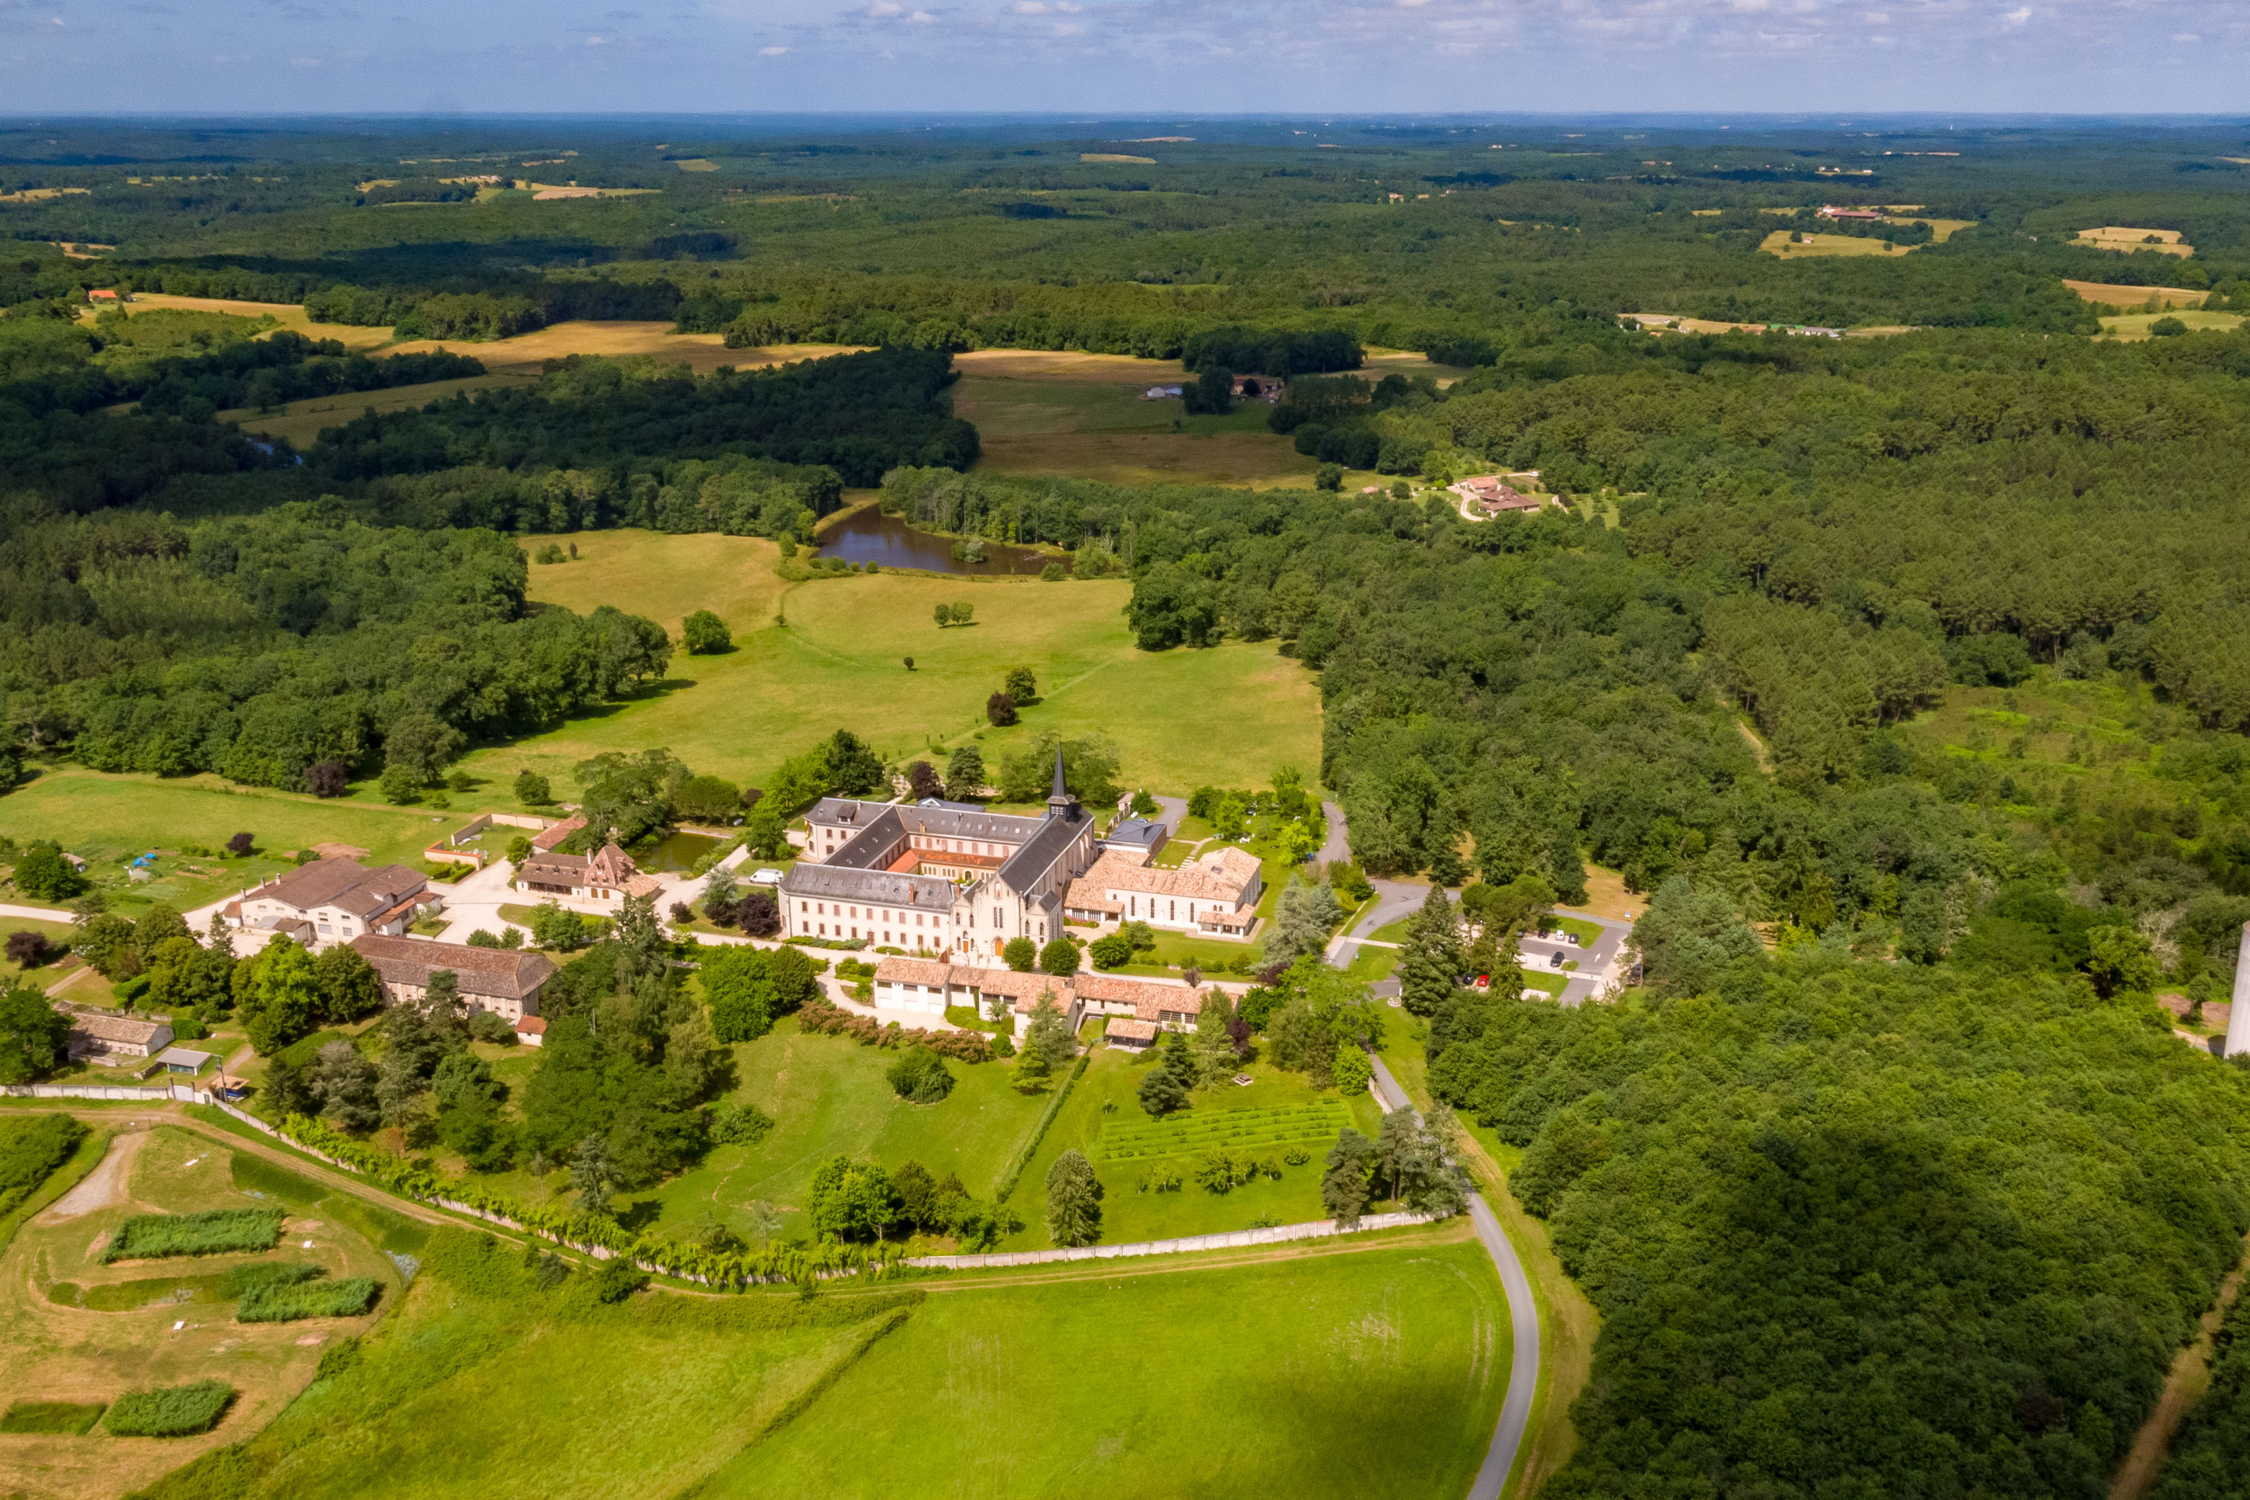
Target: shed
x=182, y=1060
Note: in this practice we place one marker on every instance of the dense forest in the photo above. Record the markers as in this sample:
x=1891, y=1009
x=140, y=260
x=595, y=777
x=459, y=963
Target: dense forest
x=1903, y=680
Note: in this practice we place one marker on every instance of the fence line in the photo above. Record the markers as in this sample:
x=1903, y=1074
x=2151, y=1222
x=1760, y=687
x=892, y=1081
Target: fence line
x=1318, y=1229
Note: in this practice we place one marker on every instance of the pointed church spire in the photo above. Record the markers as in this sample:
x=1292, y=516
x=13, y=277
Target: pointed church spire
x=1060, y=804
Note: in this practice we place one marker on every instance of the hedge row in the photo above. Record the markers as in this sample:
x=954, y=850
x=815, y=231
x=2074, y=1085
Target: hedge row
x=729, y=1270
x=826, y=1018
x=1030, y=1147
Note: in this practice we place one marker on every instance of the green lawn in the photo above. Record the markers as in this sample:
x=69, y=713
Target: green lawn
x=1364, y=1375
x=1106, y=1096
x=827, y=1096
x=1553, y=981
x=55, y=932
x=839, y=663
x=1587, y=933
x=1358, y=1375
x=109, y=819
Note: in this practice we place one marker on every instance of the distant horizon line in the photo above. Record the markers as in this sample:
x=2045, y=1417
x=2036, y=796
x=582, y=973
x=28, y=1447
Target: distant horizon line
x=1840, y=118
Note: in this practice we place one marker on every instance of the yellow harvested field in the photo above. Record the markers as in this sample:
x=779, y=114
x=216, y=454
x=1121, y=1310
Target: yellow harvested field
x=702, y=352
x=35, y=195
x=2118, y=294
x=1670, y=323
x=542, y=192
x=1117, y=156
x=2133, y=327
x=1706, y=213
x=81, y=249
x=697, y=164
x=1064, y=364
x=1792, y=244
x=2127, y=240
x=1941, y=230
x=289, y=315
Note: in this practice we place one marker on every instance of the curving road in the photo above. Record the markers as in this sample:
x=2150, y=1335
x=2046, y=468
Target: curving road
x=1523, y=1314
x=1396, y=899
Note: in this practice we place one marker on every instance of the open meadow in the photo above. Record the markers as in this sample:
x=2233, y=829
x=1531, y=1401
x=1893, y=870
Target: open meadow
x=2132, y=327
x=1797, y=244
x=840, y=662
x=2125, y=295
x=76, y=1330
x=109, y=819
x=2128, y=240
x=1087, y=416
x=1374, y=1371
x=1366, y=1374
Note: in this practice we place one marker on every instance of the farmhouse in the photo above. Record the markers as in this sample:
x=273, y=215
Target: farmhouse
x=1493, y=494
x=920, y=984
x=335, y=899
x=107, y=294
x=937, y=877
x=503, y=981
x=1217, y=892
x=607, y=876
x=1851, y=215
x=113, y=1039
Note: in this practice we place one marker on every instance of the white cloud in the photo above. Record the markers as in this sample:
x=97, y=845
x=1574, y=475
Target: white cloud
x=921, y=18
x=1030, y=7
x=2018, y=16
x=773, y=51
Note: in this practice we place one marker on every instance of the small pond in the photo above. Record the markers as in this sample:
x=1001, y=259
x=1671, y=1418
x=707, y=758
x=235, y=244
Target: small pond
x=675, y=852
x=868, y=535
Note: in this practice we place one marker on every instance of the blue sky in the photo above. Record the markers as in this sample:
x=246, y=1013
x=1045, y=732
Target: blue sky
x=1212, y=56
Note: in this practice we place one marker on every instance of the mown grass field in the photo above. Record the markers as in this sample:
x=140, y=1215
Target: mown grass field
x=839, y=663
x=2133, y=327
x=1106, y=1094
x=1084, y=415
x=1786, y=244
x=75, y=1330
x=107, y=819
x=1367, y=1374
x=289, y=315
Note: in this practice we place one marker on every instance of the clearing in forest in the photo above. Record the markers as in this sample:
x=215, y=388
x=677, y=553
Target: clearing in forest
x=2133, y=327
x=1117, y=156
x=1797, y=244
x=289, y=315
x=2123, y=295
x=2127, y=239
x=75, y=1330
x=1178, y=718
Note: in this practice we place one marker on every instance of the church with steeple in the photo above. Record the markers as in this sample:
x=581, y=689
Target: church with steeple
x=941, y=879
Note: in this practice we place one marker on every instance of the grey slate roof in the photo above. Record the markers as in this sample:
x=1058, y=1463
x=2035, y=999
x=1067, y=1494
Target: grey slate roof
x=1022, y=869
x=877, y=887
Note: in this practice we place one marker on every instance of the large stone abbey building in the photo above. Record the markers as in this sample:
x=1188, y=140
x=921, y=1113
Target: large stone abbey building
x=944, y=879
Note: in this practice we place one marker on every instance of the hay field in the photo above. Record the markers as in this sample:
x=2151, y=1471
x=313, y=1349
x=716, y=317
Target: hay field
x=289, y=315
x=64, y=1336
x=2118, y=294
x=1784, y=243
x=39, y=195
x=839, y=663
x=1941, y=230
x=701, y=352
x=696, y=164
x=1117, y=156
x=2133, y=327
x=2126, y=239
